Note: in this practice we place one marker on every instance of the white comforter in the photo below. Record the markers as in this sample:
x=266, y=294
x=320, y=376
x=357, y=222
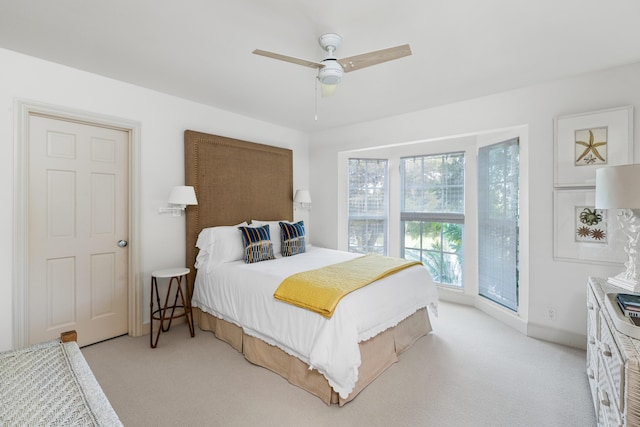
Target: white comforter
x=243, y=294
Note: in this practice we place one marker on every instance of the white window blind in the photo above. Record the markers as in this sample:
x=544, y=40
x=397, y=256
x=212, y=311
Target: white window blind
x=498, y=173
x=368, y=206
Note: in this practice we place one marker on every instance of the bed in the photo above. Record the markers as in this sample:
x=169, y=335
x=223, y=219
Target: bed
x=51, y=384
x=237, y=182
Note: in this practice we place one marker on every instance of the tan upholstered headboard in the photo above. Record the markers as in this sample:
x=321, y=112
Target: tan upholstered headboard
x=234, y=181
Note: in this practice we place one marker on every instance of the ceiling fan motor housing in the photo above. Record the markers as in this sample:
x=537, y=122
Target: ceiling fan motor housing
x=331, y=73
x=330, y=42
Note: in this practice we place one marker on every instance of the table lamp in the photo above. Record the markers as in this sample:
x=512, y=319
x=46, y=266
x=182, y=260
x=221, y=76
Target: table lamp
x=618, y=187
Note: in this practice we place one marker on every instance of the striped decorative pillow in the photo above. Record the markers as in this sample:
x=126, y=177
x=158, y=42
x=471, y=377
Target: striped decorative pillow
x=257, y=244
x=292, y=238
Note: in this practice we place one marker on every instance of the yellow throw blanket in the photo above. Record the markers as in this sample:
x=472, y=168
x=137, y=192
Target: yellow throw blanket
x=320, y=290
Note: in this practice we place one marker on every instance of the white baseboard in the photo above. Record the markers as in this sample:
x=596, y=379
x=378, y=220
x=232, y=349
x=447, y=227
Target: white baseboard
x=454, y=295
x=502, y=314
x=494, y=310
x=511, y=319
x=557, y=336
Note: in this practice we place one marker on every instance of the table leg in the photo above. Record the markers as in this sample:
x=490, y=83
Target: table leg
x=187, y=308
x=175, y=302
x=154, y=287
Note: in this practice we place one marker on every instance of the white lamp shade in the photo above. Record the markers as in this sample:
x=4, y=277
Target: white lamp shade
x=328, y=90
x=302, y=196
x=183, y=195
x=618, y=187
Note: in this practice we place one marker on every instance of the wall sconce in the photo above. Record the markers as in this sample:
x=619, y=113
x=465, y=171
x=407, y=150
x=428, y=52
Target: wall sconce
x=179, y=198
x=302, y=199
x=616, y=188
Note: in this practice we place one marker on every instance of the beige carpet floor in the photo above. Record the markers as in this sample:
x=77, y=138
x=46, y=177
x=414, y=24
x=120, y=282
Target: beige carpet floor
x=470, y=371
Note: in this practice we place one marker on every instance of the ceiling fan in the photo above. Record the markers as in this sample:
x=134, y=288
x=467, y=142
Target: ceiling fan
x=331, y=69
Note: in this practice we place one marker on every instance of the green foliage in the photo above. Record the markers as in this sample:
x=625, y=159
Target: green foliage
x=438, y=246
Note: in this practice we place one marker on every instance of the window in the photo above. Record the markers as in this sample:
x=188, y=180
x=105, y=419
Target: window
x=498, y=173
x=432, y=214
x=452, y=204
x=368, y=203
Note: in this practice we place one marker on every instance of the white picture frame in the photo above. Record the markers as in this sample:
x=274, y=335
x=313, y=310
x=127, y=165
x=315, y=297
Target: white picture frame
x=569, y=242
x=586, y=141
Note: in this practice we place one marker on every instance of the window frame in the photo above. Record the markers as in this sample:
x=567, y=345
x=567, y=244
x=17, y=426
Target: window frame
x=508, y=301
x=384, y=217
x=469, y=143
x=436, y=216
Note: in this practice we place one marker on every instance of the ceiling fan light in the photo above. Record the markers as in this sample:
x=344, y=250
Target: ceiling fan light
x=331, y=80
x=328, y=90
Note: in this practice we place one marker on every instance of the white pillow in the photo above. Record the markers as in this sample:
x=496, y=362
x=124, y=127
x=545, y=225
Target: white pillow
x=219, y=245
x=274, y=232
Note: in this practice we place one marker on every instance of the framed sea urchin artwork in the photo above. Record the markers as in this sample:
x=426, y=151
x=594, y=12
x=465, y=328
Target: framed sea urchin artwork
x=583, y=233
x=584, y=142
x=590, y=224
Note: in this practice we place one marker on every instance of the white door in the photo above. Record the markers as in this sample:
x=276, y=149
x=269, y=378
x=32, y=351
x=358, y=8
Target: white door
x=78, y=213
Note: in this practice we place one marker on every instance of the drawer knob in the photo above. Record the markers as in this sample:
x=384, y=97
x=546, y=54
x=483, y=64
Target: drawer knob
x=590, y=306
x=605, y=399
x=590, y=373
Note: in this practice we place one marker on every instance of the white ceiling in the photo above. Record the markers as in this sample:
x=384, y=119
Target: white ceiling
x=201, y=49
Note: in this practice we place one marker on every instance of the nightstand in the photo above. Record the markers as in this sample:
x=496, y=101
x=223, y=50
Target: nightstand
x=166, y=313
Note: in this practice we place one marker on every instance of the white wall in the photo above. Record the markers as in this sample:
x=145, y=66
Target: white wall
x=162, y=119
x=561, y=285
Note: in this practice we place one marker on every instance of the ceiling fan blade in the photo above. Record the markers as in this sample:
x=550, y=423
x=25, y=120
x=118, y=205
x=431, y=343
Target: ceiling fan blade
x=357, y=62
x=291, y=59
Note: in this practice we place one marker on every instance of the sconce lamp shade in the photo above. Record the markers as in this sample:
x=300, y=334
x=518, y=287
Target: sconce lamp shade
x=302, y=197
x=618, y=187
x=183, y=195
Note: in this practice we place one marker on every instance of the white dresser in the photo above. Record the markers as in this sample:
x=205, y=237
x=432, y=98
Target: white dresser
x=613, y=358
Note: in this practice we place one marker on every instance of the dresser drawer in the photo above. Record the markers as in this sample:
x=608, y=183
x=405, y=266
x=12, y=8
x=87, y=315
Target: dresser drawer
x=593, y=312
x=607, y=411
x=593, y=356
x=592, y=374
x=593, y=345
x=612, y=363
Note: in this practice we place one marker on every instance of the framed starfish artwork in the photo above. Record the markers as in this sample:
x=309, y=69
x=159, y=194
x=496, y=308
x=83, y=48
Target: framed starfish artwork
x=591, y=146
x=583, y=233
x=586, y=141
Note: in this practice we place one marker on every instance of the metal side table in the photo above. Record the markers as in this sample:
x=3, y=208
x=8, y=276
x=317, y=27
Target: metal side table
x=166, y=313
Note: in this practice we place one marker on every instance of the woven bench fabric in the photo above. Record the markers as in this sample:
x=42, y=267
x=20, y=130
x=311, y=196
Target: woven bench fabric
x=51, y=384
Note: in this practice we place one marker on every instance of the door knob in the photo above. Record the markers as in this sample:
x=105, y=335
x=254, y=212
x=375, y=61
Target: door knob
x=122, y=243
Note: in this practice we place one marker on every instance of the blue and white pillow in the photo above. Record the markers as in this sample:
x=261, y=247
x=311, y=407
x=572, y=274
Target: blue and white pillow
x=292, y=238
x=257, y=244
